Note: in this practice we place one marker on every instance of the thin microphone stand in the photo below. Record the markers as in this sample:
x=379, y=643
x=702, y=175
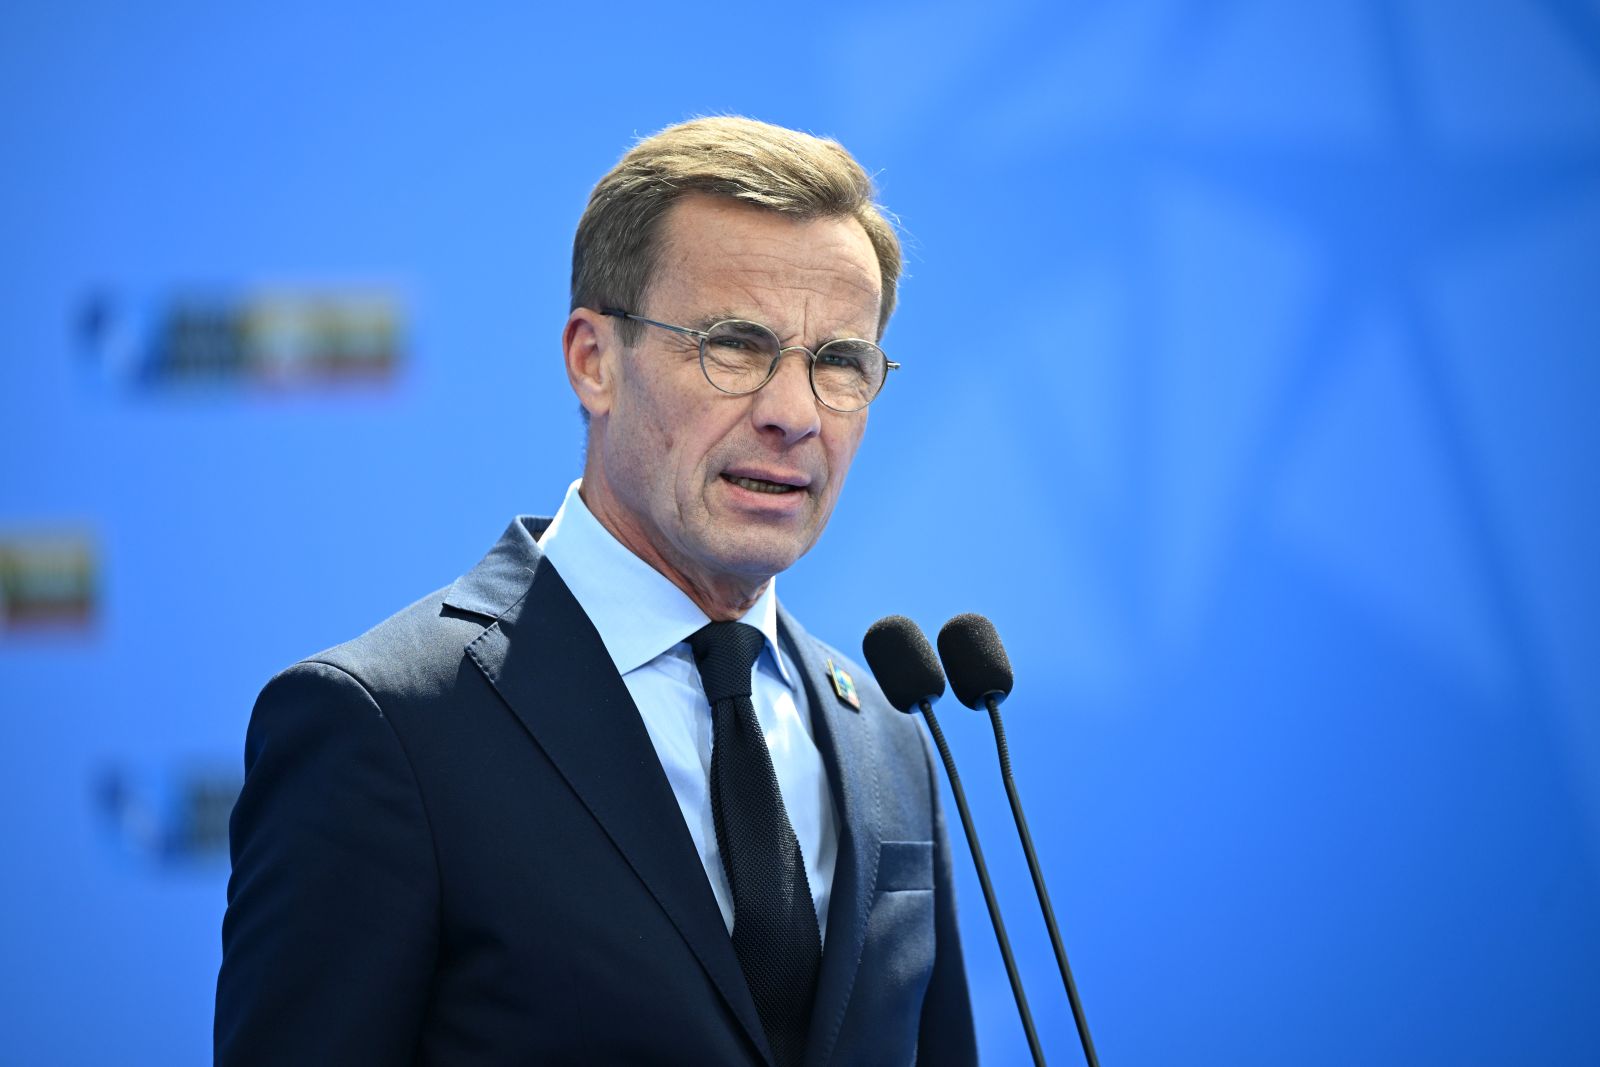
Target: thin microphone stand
x=1078, y=1016
x=988, y=889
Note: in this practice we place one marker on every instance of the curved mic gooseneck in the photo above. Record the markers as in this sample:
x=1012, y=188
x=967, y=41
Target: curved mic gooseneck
x=908, y=672
x=980, y=674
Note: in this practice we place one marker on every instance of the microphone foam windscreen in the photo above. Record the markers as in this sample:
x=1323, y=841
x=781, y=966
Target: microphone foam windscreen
x=903, y=662
x=975, y=659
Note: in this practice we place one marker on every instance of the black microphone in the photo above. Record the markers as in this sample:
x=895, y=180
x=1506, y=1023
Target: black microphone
x=980, y=674
x=904, y=663
x=908, y=673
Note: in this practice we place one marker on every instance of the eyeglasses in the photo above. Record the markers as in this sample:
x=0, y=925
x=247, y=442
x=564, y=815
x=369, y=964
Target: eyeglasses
x=739, y=357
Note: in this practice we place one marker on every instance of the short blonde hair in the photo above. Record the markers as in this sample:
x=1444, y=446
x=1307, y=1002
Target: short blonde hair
x=618, y=243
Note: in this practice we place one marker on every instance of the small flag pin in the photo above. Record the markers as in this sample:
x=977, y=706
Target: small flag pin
x=843, y=686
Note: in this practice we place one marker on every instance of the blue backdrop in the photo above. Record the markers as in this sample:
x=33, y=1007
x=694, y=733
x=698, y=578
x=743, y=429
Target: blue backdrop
x=1250, y=349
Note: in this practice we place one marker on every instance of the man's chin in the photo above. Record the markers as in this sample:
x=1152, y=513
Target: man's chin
x=760, y=556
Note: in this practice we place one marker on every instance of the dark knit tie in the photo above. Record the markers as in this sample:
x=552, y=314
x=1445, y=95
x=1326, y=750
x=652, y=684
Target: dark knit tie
x=775, y=931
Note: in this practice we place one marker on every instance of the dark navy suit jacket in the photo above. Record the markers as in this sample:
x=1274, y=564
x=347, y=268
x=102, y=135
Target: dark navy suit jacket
x=456, y=845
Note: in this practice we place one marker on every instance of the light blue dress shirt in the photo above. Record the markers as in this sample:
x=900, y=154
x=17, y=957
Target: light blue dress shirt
x=645, y=622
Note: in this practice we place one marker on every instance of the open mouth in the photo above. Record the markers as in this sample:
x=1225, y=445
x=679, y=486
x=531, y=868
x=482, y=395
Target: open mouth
x=761, y=485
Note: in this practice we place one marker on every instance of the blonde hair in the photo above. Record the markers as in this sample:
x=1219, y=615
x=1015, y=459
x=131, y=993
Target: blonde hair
x=618, y=243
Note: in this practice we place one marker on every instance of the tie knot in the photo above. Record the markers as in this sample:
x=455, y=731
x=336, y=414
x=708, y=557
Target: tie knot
x=725, y=653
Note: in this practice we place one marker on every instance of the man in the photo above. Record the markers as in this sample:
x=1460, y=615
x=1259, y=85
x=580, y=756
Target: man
x=603, y=800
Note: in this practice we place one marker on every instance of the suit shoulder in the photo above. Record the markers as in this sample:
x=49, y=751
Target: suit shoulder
x=414, y=653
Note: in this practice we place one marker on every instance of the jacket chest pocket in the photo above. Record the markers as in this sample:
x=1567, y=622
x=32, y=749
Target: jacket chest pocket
x=905, y=865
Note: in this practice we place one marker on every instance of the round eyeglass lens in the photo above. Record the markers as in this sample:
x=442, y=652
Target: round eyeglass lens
x=738, y=356
x=848, y=373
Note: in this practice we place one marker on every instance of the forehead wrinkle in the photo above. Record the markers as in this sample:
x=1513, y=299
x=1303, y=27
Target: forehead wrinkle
x=835, y=270
x=812, y=339
x=768, y=275
x=758, y=296
x=813, y=304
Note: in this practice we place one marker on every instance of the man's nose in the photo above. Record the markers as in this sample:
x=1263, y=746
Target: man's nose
x=786, y=403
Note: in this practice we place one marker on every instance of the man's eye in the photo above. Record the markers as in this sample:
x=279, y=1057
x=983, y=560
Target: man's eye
x=849, y=357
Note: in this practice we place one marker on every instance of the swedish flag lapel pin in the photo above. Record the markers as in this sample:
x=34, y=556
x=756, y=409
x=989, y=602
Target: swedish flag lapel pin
x=843, y=686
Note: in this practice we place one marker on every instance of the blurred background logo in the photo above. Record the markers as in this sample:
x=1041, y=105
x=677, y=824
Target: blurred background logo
x=284, y=338
x=48, y=581
x=174, y=816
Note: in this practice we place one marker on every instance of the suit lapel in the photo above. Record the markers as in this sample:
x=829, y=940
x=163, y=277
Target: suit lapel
x=846, y=744
x=545, y=659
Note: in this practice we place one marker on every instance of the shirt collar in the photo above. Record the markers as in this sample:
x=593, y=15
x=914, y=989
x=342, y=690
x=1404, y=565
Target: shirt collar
x=638, y=612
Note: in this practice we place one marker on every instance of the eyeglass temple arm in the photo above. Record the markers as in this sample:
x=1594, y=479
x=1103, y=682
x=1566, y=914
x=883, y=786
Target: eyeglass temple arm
x=618, y=313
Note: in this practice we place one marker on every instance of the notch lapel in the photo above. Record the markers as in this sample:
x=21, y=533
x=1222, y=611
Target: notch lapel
x=844, y=738
x=547, y=662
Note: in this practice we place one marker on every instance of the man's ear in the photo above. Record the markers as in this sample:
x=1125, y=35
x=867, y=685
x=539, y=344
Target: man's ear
x=590, y=349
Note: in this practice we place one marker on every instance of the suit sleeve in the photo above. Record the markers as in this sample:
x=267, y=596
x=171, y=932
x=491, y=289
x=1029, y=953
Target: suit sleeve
x=330, y=936
x=946, y=1034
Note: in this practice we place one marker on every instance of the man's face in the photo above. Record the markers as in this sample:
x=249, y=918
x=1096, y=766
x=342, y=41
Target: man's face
x=721, y=491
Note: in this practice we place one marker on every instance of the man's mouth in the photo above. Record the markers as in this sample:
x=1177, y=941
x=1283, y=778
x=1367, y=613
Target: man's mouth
x=761, y=485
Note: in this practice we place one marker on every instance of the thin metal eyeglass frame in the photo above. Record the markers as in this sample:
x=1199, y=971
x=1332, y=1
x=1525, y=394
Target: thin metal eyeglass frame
x=811, y=372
